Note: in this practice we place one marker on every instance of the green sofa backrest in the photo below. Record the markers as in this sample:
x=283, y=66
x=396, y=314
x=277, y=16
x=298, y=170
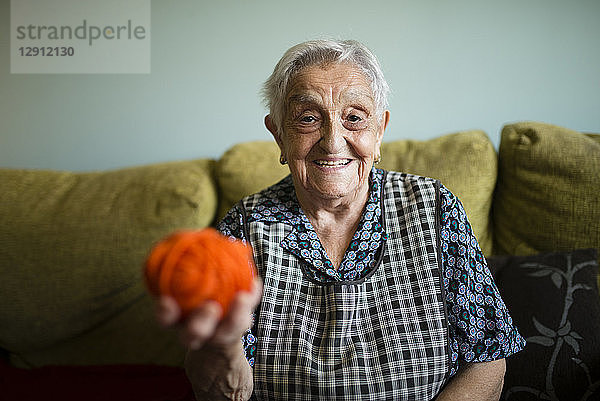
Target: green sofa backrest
x=71, y=260
x=72, y=245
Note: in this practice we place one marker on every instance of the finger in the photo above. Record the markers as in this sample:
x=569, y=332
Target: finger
x=242, y=306
x=238, y=318
x=257, y=291
x=201, y=324
x=167, y=311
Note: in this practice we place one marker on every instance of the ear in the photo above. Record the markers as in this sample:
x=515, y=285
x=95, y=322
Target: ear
x=385, y=119
x=270, y=124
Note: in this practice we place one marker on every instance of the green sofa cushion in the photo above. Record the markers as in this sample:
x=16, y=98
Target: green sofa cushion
x=73, y=245
x=465, y=162
x=247, y=168
x=548, y=190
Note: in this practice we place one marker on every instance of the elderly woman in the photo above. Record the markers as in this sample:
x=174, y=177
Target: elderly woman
x=373, y=284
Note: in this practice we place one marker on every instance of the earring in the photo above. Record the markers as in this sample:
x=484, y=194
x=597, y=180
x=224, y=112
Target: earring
x=282, y=160
x=376, y=161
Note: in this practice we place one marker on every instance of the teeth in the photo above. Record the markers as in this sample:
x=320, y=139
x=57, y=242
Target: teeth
x=331, y=163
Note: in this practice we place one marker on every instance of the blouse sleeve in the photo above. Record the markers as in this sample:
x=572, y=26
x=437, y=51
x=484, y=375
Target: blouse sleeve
x=232, y=225
x=480, y=325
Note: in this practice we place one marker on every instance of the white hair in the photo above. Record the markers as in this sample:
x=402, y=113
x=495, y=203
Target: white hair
x=319, y=52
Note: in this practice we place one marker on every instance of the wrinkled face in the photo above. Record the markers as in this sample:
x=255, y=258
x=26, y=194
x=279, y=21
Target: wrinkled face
x=330, y=134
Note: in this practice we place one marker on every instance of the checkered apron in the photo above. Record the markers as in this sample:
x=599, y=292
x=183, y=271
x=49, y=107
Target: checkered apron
x=383, y=337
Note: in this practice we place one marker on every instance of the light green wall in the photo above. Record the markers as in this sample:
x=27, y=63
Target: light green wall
x=452, y=65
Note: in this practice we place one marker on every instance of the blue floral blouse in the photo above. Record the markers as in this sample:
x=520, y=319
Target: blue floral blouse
x=481, y=328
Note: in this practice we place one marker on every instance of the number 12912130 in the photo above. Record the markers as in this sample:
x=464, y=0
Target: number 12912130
x=60, y=51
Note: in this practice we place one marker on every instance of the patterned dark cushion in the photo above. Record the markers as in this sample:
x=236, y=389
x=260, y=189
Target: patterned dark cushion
x=553, y=299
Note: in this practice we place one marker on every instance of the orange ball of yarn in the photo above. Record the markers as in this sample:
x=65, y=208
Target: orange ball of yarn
x=196, y=266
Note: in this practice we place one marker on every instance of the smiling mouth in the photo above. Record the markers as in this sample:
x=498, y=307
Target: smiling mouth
x=332, y=163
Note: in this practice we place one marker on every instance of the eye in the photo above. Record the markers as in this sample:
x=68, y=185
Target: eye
x=353, y=118
x=308, y=119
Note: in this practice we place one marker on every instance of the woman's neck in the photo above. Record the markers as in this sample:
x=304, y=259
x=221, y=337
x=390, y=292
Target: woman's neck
x=335, y=220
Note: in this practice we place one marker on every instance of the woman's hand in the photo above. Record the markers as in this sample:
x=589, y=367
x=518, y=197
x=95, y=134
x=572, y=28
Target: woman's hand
x=206, y=324
x=215, y=364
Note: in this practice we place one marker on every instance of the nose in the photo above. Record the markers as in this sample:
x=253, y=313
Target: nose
x=333, y=137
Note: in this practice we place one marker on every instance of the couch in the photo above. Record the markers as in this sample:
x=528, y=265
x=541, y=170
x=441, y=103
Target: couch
x=73, y=307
